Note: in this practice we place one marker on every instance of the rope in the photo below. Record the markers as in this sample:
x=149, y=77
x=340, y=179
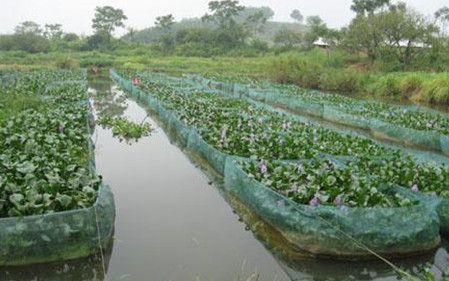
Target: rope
x=95, y=207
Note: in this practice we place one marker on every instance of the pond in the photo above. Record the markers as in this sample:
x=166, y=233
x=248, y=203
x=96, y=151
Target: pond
x=174, y=223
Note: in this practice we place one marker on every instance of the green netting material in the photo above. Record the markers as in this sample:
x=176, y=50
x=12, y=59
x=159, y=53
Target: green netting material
x=394, y=231
x=58, y=236
x=377, y=129
x=61, y=235
x=443, y=211
x=386, y=231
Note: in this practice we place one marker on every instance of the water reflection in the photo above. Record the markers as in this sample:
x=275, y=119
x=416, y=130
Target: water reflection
x=104, y=101
x=92, y=268
x=302, y=266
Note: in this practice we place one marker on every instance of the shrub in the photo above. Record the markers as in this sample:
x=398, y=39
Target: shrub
x=436, y=90
x=411, y=86
x=387, y=85
x=66, y=63
x=340, y=80
x=297, y=70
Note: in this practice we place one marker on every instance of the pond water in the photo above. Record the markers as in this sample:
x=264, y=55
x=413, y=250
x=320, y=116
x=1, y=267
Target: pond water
x=173, y=223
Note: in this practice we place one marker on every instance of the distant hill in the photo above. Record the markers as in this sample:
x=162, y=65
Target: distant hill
x=151, y=34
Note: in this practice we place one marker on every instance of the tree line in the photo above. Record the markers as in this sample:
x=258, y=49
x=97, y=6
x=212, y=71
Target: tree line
x=380, y=30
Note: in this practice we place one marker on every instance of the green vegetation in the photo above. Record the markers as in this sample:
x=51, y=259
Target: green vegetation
x=44, y=144
x=316, y=189
x=338, y=73
x=125, y=129
x=245, y=130
x=388, y=50
x=323, y=182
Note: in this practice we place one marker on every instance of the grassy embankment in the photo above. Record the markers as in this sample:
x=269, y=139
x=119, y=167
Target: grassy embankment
x=334, y=72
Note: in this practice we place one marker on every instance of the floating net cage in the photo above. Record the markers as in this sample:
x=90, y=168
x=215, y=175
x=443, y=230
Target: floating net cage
x=63, y=235
x=323, y=230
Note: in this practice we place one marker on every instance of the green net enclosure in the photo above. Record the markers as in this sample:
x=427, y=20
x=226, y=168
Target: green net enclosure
x=322, y=230
x=329, y=231
x=58, y=236
x=322, y=106
x=54, y=234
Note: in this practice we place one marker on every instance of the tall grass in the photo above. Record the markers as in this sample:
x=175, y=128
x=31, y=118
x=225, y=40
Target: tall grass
x=317, y=71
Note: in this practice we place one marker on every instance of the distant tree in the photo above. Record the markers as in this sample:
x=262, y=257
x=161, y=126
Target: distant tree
x=248, y=11
x=288, y=37
x=229, y=33
x=167, y=38
x=28, y=27
x=165, y=22
x=131, y=34
x=223, y=13
x=7, y=42
x=398, y=34
x=361, y=7
x=70, y=37
x=255, y=22
x=318, y=28
x=364, y=34
x=28, y=37
x=53, y=31
x=106, y=19
x=443, y=16
x=99, y=40
x=297, y=16
x=406, y=32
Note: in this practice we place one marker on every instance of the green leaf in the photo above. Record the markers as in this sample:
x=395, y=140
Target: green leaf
x=16, y=199
x=26, y=168
x=64, y=200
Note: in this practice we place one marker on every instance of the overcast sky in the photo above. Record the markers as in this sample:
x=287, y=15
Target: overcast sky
x=76, y=16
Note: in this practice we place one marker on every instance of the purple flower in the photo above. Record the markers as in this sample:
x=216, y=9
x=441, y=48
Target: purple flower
x=286, y=125
x=60, y=128
x=337, y=200
x=260, y=120
x=314, y=202
x=262, y=166
x=415, y=188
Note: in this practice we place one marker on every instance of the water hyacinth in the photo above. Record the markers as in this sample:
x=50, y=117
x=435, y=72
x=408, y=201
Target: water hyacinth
x=286, y=125
x=281, y=141
x=222, y=137
x=294, y=188
x=61, y=128
x=262, y=166
x=301, y=169
x=260, y=120
x=252, y=138
x=338, y=201
x=314, y=202
x=414, y=188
